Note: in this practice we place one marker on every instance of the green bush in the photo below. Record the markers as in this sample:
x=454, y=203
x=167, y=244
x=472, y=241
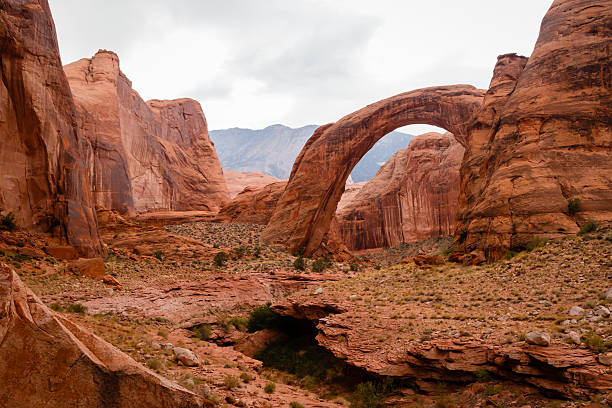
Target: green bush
x=370, y=395
x=230, y=382
x=7, y=222
x=321, y=264
x=573, y=206
x=354, y=267
x=202, y=331
x=536, y=242
x=594, y=342
x=263, y=318
x=295, y=404
x=159, y=255
x=246, y=377
x=299, y=263
x=220, y=258
x=589, y=226
x=270, y=388
x=154, y=364
x=482, y=375
x=257, y=252
x=76, y=308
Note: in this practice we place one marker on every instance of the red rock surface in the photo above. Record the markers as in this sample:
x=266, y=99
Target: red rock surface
x=43, y=178
x=238, y=180
x=254, y=205
x=538, y=137
x=412, y=197
x=46, y=360
x=146, y=156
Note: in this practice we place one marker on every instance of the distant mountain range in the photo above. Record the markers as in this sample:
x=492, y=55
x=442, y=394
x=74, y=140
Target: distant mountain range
x=273, y=150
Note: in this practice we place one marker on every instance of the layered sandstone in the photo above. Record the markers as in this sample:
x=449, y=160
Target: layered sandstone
x=146, y=155
x=412, y=197
x=237, y=181
x=540, y=135
x=46, y=360
x=43, y=178
x=254, y=205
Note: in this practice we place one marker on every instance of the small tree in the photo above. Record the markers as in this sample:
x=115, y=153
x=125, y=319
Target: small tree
x=573, y=206
x=7, y=222
x=299, y=263
x=220, y=259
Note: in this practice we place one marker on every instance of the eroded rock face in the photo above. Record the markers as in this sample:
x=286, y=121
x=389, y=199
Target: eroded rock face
x=412, y=197
x=254, y=205
x=43, y=178
x=146, y=156
x=237, y=180
x=46, y=360
x=539, y=136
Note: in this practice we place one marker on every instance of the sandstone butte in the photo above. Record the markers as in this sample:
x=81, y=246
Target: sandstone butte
x=146, y=155
x=538, y=137
x=237, y=180
x=43, y=178
x=412, y=197
x=46, y=360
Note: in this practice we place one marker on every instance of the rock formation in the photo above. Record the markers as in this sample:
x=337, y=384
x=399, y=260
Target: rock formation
x=146, y=156
x=43, y=178
x=46, y=360
x=539, y=136
x=412, y=197
x=237, y=181
x=254, y=205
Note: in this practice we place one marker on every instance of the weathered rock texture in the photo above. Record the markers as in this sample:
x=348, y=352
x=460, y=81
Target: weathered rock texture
x=43, y=178
x=237, y=181
x=412, y=197
x=254, y=205
x=540, y=135
x=146, y=156
x=46, y=360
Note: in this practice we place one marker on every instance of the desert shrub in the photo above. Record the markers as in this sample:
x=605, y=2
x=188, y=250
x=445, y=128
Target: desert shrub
x=295, y=404
x=257, y=252
x=202, y=331
x=154, y=364
x=56, y=306
x=262, y=317
x=573, y=205
x=76, y=308
x=594, y=342
x=159, y=255
x=354, y=267
x=270, y=388
x=321, y=264
x=246, y=377
x=240, y=323
x=220, y=258
x=536, y=242
x=482, y=375
x=163, y=332
x=299, y=263
x=231, y=382
x=240, y=252
x=587, y=227
x=510, y=254
x=370, y=394
x=7, y=222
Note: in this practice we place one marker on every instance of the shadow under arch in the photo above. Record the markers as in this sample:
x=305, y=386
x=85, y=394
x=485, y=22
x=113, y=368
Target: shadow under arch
x=304, y=213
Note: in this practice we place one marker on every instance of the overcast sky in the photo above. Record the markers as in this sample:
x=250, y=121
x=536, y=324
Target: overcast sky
x=253, y=63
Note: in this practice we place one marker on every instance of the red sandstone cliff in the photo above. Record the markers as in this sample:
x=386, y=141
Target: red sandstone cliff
x=146, y=156
x=254, y=205
x=412, y=197
x=43, y=179
x=237, y=180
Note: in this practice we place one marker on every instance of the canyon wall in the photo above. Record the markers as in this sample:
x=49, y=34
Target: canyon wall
x=43, y=178
x=412, y=197
x=146, y=155
x=540, y=136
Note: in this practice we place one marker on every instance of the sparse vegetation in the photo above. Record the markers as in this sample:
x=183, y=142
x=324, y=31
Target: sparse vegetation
x=230, y=382
x=154, y=364
x=76, y=308
x=220, y=259
x=594, y=342
x=270, y=388
x=7, y=222
x=573, y=206
x=202, y=331
x=370, y=394
x=588, y=227
x=299, y=263
x=321, y=264
x=246, y=377
x=536, y=242
x=263, y=318
x=295, y=404
x=159, y=255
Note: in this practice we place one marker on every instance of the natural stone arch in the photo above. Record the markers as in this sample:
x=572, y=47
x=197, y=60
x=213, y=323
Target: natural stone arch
x=306, y=208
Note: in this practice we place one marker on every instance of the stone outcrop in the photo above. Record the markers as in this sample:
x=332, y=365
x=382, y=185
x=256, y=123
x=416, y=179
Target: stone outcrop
x=43, y=178
x=237, y=181
x=254, y=205
x=412, y=197
x=539, y=136
x=146, y=155
x=46, y=360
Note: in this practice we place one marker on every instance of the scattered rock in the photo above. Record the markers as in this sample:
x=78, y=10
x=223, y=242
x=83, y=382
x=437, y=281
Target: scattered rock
x=111, y=281
x=68, y=253
x=538, y=338
x=423, y=260
x=186, y=356
x=608, y=294
x=602, y=311
x=574, y=336
x=90, y=267
x=605, y=359
x=576, y=311
x=474, y=258
x=318, y=291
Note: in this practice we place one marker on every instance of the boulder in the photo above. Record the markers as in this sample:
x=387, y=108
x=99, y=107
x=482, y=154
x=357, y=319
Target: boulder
x=254, y=205
x=186, y=356
x=237, y=181
x=62, y=252
x=90, y=267
x=46, y=360
x=608, y=294
x=576, y=311
x=538, y=338
x=412, y=197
